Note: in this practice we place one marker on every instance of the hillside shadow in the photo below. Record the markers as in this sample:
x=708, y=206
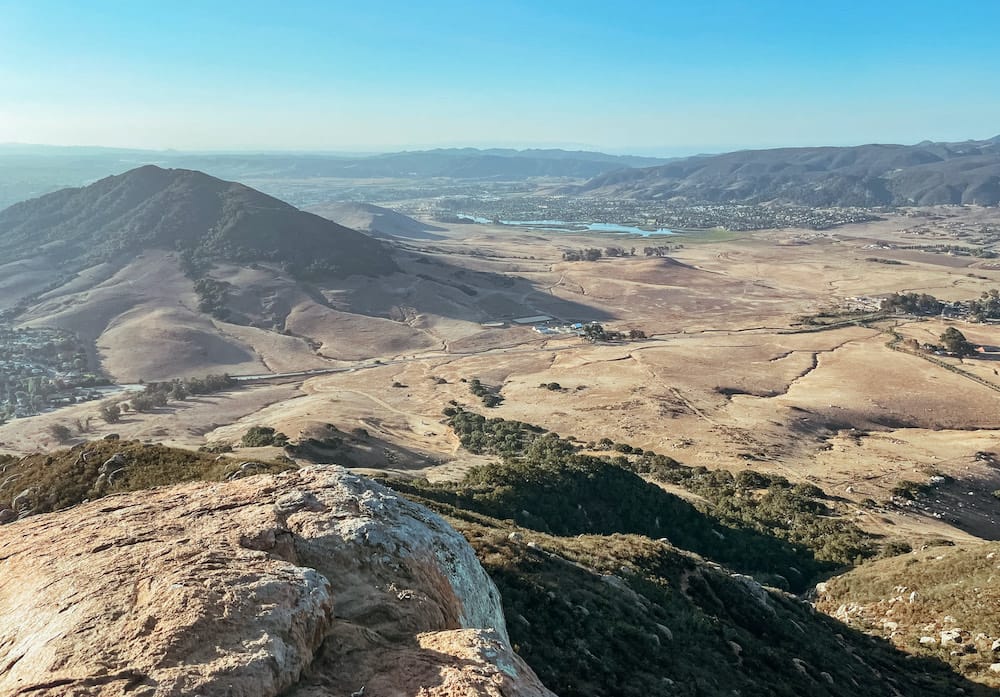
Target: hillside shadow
x=461, y=293
x=600, y=574
x=967, y=503
x=357, y=448
x=607, y=500
x=674, y=619
x=419, y=230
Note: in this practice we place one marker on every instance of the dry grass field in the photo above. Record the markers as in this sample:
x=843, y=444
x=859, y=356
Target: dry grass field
x=727, y=378
x=749, y=360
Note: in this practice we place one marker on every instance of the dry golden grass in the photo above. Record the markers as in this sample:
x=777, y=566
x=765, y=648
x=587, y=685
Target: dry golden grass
x=922, y=595
x=721, y=383
x=727, y=378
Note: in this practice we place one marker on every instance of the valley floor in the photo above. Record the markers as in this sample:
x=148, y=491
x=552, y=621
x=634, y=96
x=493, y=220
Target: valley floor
x=729, y=376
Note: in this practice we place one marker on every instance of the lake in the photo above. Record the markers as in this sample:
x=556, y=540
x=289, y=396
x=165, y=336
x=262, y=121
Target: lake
x=564, y=226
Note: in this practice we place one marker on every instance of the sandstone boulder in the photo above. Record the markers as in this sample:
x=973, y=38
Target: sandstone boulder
x=306, y=583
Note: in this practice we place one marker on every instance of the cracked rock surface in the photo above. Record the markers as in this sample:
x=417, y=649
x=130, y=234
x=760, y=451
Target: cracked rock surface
x=307, y=583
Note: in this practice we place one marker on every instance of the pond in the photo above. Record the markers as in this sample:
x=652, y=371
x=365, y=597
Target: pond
x=564, y=226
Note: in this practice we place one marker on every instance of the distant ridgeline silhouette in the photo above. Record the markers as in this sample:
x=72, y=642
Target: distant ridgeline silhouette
x=866, y=175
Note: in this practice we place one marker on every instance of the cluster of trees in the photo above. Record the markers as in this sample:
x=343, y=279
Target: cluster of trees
x=659, y=251
x=482, y=436
x=212, y=294
x=590, y=254
x=490, y=396
x=954, y=249
x=596, y=332
x=193, y=265
x=618, y=252
x=888, y=262
x=954, y=342
x=157, y=394
x=262, y=436
x=212, y=297
x=593, y=254
x=536, y=463
x=913, y=304
x=987, y=306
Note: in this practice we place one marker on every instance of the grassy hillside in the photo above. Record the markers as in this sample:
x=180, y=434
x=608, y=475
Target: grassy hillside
x=787, y=535
x=626, y=615
x=41, y=483
x=593, y=614
x=376, y=220
x=611, y=585
x=949, y=597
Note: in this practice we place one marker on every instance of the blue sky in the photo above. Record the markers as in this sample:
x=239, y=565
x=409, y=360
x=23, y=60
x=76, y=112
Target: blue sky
x=665, y=77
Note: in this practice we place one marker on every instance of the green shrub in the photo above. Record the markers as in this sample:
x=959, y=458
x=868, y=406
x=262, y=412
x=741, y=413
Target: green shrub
x=61, y=433
x=111, y=413
x=263, y=436
x=490, y=396
x=910, y=490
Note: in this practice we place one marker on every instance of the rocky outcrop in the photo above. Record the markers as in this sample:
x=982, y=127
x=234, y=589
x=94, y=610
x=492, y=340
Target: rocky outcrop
x=307, y=583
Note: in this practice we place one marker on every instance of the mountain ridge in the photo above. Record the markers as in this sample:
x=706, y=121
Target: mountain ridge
x=187, y=210
x=865, y=175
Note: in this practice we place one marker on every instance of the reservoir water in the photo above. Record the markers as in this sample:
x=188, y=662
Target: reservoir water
x=564, y=226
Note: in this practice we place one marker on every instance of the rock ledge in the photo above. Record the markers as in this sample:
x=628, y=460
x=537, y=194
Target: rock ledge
x=307, y=583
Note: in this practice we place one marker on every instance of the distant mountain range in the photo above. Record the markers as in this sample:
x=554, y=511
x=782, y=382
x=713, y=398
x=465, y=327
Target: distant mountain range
x=31, y=170
x=866, y=175
x=927, y=173
x=184, y=210
x=454, y=163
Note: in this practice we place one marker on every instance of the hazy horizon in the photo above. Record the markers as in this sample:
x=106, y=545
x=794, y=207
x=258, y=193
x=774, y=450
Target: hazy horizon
x=639, y=78
x=374, y=151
